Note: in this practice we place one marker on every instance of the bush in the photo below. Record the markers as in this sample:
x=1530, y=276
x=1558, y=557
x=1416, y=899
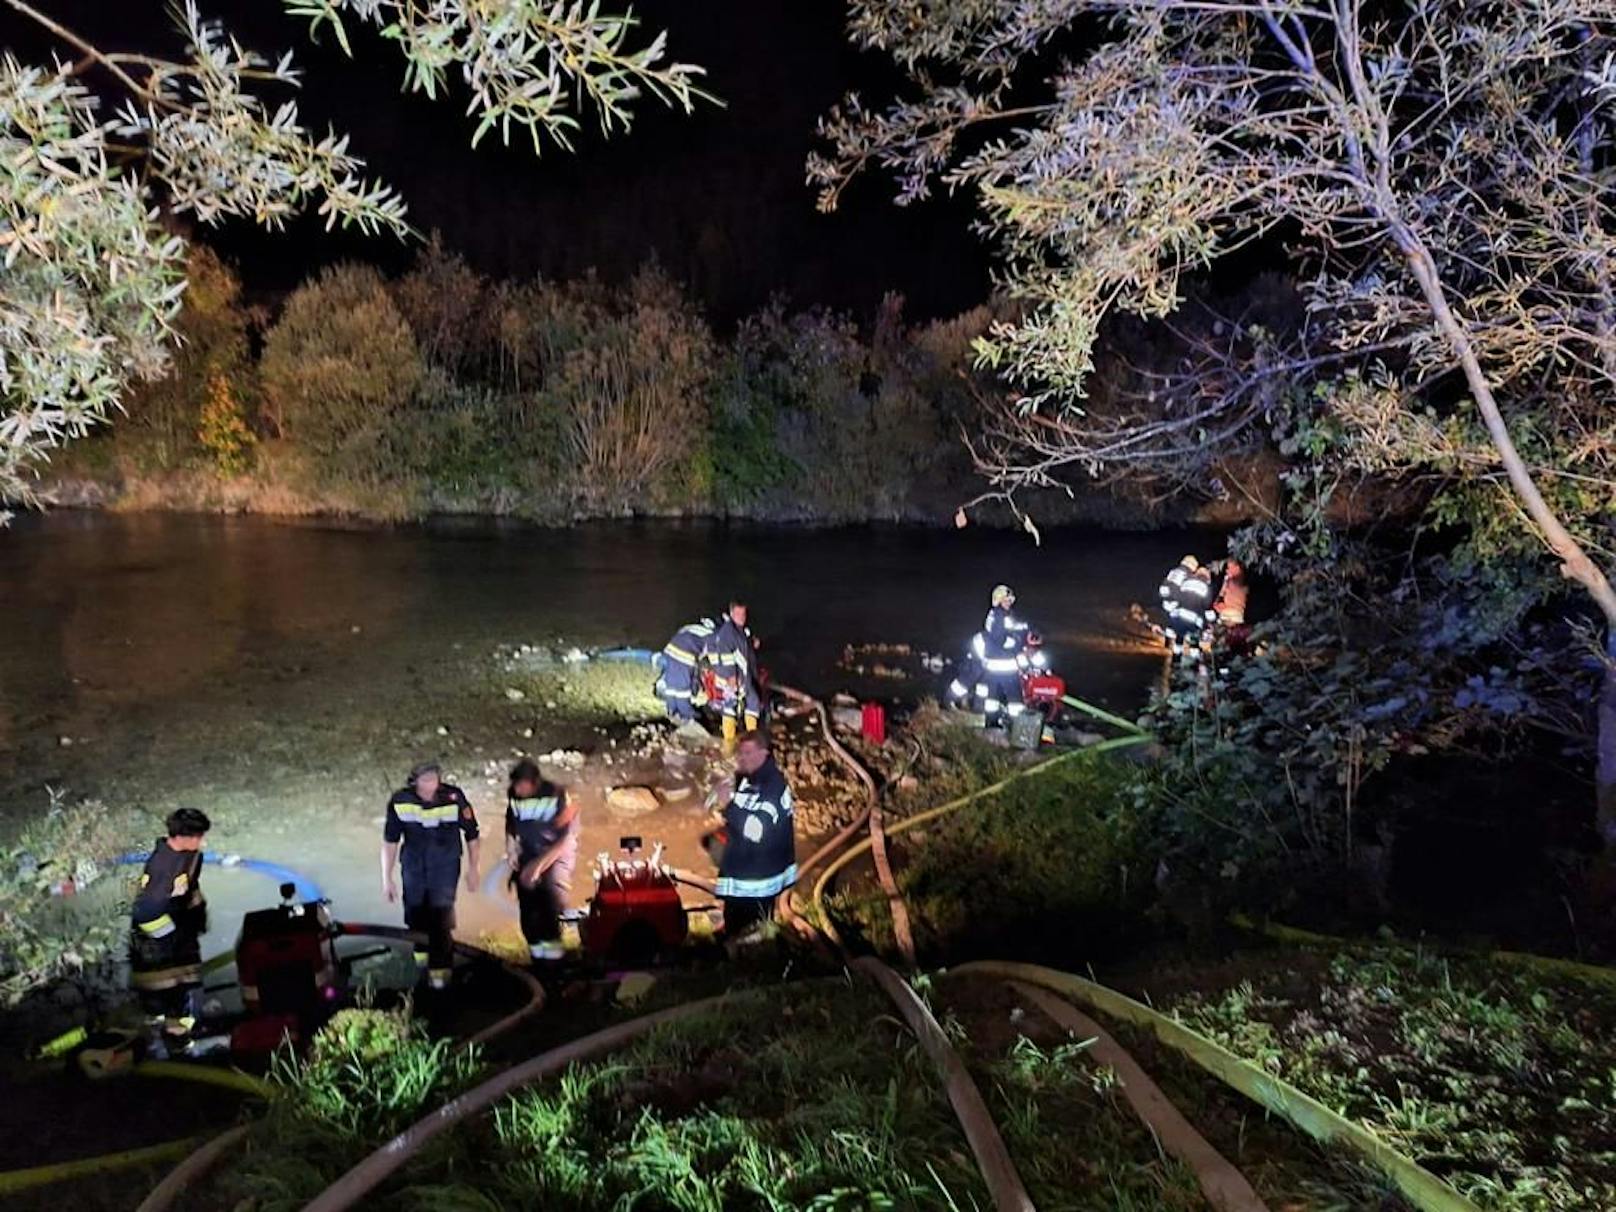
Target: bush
x=222, y=428
x=213, y=327
x=45, y=939
x=338, y=361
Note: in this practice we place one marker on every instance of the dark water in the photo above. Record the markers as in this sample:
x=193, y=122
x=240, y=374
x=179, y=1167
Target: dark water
x=283, y=676
x=115, y=626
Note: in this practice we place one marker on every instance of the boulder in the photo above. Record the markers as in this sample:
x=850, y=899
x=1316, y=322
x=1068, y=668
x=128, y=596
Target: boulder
x=632, y=801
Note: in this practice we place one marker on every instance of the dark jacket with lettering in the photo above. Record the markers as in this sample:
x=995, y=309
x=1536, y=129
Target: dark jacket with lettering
x=760, y=857
x=732, y=656
x=431, y=834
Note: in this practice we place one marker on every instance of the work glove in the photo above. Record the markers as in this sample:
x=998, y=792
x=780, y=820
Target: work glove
x=751, y=721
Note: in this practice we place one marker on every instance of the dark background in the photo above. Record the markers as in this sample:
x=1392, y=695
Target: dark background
x=719, y=197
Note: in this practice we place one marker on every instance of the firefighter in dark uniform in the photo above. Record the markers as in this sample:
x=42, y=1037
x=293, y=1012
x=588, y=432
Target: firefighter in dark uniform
x=167, y=924
x=428, y=818
x=999, y=652
x=678, y=675
x=541, y=847
x=733, y=655
x=759, y=856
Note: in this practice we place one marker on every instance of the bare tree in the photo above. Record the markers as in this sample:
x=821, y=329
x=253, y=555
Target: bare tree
x=1441, y=166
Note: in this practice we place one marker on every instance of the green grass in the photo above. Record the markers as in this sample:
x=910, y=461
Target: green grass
x=805, y=1096
x=1055, y=867
x=1502, y=1081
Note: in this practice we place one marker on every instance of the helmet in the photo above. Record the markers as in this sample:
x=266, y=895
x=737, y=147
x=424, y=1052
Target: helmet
x=1003, y=595
x=1190, y=562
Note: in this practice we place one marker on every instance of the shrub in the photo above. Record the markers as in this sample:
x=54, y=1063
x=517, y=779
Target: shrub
x=222, y=428
x=340, y=357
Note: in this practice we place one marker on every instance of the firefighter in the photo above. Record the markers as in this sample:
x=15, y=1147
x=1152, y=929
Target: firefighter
x=998, y=650
x=736, y=669
x=428, y=818
x=167, y=922
x=1230, y=608
x=679, y=676
x=541, y=846
x=1186, y=598
x=759, y=856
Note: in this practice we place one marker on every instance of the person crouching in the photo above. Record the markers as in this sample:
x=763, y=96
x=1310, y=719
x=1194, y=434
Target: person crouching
x=541, y=847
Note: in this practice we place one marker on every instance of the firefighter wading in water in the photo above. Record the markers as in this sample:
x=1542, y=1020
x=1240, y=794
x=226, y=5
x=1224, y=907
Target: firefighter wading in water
x=428, y=818
x=166, y=926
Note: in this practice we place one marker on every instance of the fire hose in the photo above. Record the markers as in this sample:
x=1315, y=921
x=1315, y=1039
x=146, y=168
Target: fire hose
x=901, y=930
x=1424, y=1189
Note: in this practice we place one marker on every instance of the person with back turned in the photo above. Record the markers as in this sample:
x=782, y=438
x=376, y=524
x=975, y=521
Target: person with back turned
x=759, y=855
x=541, y=846
x=733, y=653
x=427, y=819
x=167, y=922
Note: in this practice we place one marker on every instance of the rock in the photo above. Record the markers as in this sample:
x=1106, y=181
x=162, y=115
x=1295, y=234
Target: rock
x=515, y=695
x=527, y=732
x=675, y=795
x=355, y=629
x=631, y=990
x=632, y=801
x=851, y=719
x=908, y=783
x=442, y=730
x=66, y=742
x=549, y=704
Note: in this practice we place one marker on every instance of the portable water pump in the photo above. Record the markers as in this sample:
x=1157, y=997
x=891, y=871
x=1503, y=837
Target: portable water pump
x=286, y=962
x=635, y=913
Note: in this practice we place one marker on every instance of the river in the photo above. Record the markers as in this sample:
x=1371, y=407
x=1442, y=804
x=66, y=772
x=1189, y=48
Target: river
x=283, y=675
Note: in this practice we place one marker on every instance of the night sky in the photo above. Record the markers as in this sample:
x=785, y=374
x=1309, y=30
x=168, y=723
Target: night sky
x=719, y=197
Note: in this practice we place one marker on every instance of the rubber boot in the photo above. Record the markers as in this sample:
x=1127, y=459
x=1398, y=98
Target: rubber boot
x=729, y=735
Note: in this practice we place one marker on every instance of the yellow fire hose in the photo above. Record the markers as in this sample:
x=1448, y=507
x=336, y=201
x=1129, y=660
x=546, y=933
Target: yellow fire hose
x=920, y=818
x=1424, y=1189
x=13, y=1181
x=1547, y=964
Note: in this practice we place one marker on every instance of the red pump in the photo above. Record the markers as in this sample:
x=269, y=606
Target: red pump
x=636, y=912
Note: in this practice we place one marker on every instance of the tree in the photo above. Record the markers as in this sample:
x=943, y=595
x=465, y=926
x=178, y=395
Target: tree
x=1442, y=167
x=339, y=356
x=93, y=281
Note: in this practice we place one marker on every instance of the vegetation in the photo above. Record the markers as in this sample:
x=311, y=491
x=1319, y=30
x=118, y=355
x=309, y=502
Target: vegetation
x=1496, y=1078
x=767, y=1103
x=446, y=392
x=94, y=279
x=1441, y=367
x=53, y=937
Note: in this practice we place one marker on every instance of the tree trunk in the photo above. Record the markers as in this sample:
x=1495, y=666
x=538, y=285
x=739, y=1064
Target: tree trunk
x=1575, y=563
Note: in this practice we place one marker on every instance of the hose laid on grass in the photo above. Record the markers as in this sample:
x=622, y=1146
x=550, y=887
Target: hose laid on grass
x=992, y=1157
x=954, y=805
x=1548, y=965
x=1101, y=714
x=12, y=1181
x=349, y=1190
x=1225, y=1188
x=1424, y=1189
x=196, y=1164
x=204, y=1075
x=902, y=932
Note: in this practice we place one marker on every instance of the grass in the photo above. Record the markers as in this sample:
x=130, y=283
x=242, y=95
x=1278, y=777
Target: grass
x=807, y=1096
x=1502, y=1081
x=1051, y=868
x=1080, y=1147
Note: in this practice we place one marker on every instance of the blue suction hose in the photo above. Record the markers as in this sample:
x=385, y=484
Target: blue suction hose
x=307, y=889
